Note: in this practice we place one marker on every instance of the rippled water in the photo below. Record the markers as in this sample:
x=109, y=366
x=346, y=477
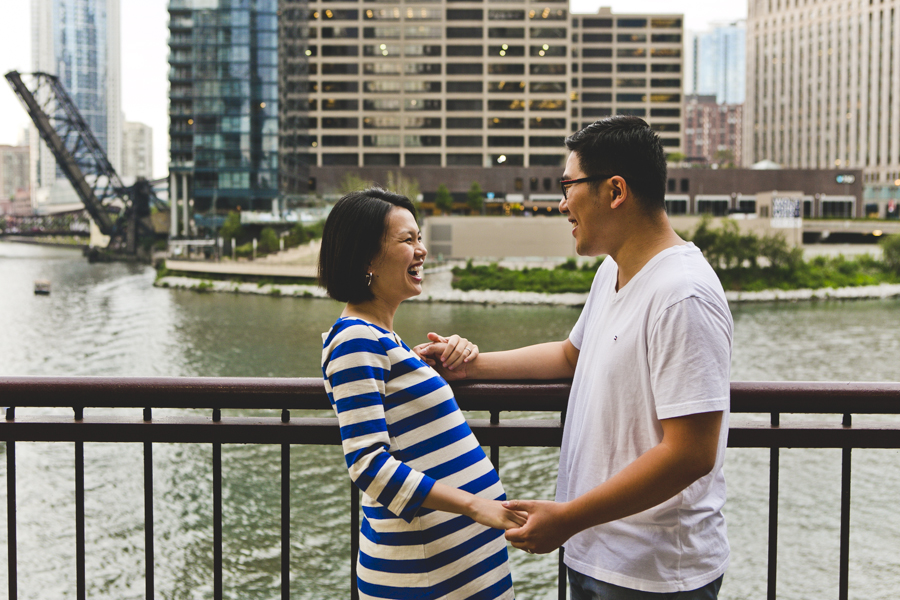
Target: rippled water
x=107, y=319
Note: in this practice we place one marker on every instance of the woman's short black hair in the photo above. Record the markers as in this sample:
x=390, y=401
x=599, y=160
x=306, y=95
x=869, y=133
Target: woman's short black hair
x=352, y=238
x=625, y=146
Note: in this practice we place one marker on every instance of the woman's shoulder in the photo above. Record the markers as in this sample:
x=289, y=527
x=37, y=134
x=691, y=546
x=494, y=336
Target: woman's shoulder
x=357, y=332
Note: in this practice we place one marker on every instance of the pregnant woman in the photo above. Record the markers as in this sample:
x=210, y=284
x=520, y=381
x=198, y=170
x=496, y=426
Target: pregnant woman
x=433, y=520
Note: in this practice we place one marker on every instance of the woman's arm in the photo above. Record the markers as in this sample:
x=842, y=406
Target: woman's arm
x=490, y=513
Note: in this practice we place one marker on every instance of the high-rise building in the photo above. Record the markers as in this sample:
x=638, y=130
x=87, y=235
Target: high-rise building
x=15, y=180
x=464, y=84
x=137, y=151
x=78, y=41
x=822, y=81
x=718, y=63
x=712, y=131
x=223, y=105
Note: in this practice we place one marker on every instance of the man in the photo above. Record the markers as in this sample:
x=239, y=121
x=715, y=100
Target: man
x=640, y=486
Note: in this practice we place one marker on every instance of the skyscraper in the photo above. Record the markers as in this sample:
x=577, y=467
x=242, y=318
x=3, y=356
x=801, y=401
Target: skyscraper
x=718, y=65
x=78, y=41
x=137, y=151
x=480, y=85
x=822, y=85
x=223, y=104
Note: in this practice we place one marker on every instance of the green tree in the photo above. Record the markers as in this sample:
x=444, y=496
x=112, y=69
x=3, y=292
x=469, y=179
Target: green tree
x=675, y=157
x=475, y=197
x=297, y=236
x=268, y=240
x=232, y=228
x=890, y=247
x=406, y=186
x=724, y=158
x=351, y=182
x=443, y=200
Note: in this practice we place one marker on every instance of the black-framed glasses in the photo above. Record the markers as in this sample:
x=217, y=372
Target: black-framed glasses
x=565, y=184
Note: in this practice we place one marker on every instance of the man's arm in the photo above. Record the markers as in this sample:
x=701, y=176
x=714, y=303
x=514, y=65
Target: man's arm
x=551, y=360
x=686, y=453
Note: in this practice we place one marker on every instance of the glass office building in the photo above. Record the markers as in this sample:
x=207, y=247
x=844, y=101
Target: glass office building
x=78, y=41
x=224, y=103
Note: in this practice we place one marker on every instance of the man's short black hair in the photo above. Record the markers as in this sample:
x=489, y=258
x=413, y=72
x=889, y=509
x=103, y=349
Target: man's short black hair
x=351, y=240
x=625, y=146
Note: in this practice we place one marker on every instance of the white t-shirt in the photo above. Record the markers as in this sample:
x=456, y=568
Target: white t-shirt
x=657, y=349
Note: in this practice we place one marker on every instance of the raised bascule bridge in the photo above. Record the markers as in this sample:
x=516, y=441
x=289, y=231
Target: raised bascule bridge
x=119, y=211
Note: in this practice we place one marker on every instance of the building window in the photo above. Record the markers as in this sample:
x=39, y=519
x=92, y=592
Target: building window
x=631, y=68
x=507, y=160
x=632, y=38
x=538, y=141
x=464, y=123
x=454, y=141
x=421, y=140
x=465, y=14
x=506, y=33
x=545, y=123
x=465, y=69
x=548, y=50
x=499, y=105
x=422, y=122
x=595, y=97
x=506, y=15
x=631, y=83
x=383, y=141
x=464, y=87
x=422, y=160
x=381, y=160
x=340, y=140
x=546, y=160
x=631, y=23
x=666, y=38
x=465, y=32
x=596, y=68
x=685, y=185
x=547, y=87
x=465, y=50
x=506, y=50
x=533, y=184
x=513, y=141
x=594, y=82
x=416, y=104
x=506, y=69
x=340, y=122
x=380, y=123
x=346, y=160
x=597, y=37
x=665, y=68
x=459, y=105
x=506, y=123
x=506, y=87
x=596, y=23
x=555, y=69
x=665, y=83
x=463, y=160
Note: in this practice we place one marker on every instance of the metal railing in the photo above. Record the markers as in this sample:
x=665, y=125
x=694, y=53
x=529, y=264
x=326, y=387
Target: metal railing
x=286, y=395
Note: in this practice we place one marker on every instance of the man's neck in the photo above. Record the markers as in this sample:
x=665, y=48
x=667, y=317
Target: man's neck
x=648, y=237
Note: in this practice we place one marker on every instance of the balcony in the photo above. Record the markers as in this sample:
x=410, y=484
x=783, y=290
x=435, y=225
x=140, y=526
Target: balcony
x=846, y=416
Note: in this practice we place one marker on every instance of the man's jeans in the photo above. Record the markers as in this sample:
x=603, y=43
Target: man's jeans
x=583, y=587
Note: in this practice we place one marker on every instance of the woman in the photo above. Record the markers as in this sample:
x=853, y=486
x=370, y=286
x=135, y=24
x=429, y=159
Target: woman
x=433, y=522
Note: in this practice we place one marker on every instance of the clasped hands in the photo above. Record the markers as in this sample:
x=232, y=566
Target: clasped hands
x=449, y=355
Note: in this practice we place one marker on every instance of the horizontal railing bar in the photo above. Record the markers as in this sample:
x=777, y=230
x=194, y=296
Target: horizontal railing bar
x=324, y=431
x=308, y=393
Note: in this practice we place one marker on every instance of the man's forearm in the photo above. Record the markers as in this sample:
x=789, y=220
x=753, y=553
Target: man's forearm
x=552, y=360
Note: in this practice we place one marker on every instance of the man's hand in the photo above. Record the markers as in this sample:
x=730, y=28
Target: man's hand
x=546, y=529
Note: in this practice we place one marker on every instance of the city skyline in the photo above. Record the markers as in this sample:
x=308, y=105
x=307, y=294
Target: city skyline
x=145, y=81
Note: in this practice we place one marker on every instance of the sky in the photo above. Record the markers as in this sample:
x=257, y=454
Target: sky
x=144, y=35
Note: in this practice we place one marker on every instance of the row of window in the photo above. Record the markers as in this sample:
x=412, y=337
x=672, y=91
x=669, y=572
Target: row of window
x=505, y=50
x=629, y=23
x=388, y=86
x=386, y=122
x=398, y=68
x=606, y=111
x=451, y=141
x=394, y=51
x=390, y=104
x=452, y=160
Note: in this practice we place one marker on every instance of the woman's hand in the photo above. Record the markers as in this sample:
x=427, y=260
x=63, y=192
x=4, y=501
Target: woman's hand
x=448, y=355
x=492, y=513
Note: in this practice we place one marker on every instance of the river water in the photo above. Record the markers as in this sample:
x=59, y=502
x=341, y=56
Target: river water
x=107, y=319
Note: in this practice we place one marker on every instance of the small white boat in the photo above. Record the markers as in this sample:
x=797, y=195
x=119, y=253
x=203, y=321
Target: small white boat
x=42, y=287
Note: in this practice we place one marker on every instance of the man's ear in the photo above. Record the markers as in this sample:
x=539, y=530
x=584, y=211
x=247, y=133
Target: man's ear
x=620, y=190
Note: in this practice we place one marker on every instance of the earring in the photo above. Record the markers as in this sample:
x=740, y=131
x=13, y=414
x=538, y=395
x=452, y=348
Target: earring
x=369, y=277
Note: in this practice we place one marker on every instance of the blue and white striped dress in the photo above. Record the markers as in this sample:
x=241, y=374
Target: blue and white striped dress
x=401, y=432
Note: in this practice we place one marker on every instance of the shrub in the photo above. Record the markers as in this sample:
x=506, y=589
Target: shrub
x=890, y=247
x=268, y=241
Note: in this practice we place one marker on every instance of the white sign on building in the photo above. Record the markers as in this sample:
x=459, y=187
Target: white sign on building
x=786, y=213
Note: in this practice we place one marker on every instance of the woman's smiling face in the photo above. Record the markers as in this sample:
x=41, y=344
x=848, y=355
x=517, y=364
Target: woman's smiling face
x=398, y=268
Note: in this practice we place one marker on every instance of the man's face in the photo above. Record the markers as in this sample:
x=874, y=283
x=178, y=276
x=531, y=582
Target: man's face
x=585, y=210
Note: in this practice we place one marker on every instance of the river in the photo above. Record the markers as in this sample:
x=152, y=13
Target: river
x=107, y=319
